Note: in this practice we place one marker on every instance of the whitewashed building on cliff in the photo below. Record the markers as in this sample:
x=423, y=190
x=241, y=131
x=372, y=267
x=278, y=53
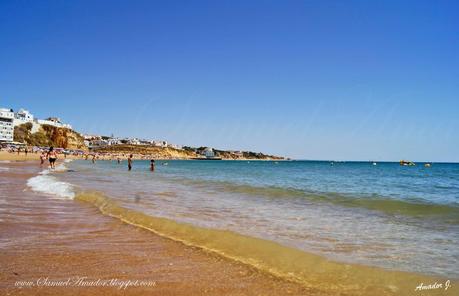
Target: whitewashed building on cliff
x=133, y=141
x=9, y=119
x=113, y=141
x=97, y=143
x=175, y=146
x=208, y=152
x=24, y=116
x=54, y=121
x=6, y=125
x=159, y=143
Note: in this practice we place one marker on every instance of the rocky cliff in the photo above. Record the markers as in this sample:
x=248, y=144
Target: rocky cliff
x=186, y=153
x=48, y=135
x=157, y=152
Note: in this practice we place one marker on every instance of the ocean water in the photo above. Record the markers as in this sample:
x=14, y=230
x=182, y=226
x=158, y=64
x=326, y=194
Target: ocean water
x=384, y=215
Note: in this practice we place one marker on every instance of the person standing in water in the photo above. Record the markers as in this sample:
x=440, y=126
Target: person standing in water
x=94, y=158
x=152, y=165
x=42, y=158
x=130, y=162
x=52, y=157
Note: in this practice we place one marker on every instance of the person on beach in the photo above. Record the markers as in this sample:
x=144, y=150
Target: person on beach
x=26, y=151
x=130, y=162
x=119, y=160
x=94, y=158
x=52, y=157
x=42, y=158
x=152, y=165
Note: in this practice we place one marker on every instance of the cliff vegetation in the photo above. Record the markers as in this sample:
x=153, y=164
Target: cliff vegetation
x=48, y=135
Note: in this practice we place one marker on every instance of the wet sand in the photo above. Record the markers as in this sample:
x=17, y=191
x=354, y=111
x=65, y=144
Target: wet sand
x=41, y=238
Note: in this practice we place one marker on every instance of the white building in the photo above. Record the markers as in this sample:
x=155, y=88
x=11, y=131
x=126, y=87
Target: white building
x=22, y=116
x=113, y=141
x=9, y=119
x=6, y=125
x=133, y=141
x=159, y=143
x=175, y=146
x=91, y=137
x=54, y=121
x=98, y=143
x=144, y=142
x=209, y=152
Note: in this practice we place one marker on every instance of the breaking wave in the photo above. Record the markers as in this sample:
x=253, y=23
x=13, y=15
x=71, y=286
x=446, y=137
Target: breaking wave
x=49, y=184
x=310, y=270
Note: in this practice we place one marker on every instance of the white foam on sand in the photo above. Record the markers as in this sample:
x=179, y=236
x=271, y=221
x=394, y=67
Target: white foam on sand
x=49, y=184
x=68, y=160
x=5, y=161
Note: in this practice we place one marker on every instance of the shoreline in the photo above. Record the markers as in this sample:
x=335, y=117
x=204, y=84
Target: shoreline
x=61, y=239
x=4, y=155
x=293, y=265
x=342, y=277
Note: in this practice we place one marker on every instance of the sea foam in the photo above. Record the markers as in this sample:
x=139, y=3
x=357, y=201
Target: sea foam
x=49, y=184
x=60, y=168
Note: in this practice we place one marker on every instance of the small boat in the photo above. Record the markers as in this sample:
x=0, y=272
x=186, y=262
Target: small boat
x=407, y=163
x=427, y=165
x=374, y=163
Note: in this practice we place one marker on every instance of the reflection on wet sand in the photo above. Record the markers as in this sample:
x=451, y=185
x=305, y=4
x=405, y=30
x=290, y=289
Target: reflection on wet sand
x=60, y=239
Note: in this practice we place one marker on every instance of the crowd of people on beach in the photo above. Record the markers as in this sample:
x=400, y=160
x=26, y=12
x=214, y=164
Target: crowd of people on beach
x=51, y=154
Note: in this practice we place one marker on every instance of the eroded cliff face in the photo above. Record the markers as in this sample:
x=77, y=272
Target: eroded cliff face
x=157, y=152
x=171, y=153
x=48, y=135
x=63, y=137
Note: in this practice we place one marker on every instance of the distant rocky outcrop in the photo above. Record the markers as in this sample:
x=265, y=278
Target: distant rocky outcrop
x=48, y=135
x=157, y=152
x=185, y=153
x=246, y=155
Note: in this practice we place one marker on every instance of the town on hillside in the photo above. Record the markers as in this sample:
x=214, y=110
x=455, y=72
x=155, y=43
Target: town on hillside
x=21, y=130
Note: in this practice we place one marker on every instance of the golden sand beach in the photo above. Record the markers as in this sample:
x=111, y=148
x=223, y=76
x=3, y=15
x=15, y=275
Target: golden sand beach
x=46, y=241
x=55, y=246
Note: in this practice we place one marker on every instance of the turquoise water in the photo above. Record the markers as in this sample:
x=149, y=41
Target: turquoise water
x=387, y=215
x=435, y=185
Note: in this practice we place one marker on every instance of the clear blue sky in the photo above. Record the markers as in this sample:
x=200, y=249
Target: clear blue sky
x=354, y=80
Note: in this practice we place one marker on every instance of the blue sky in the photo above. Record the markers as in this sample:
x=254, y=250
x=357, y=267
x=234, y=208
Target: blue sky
x=351, y=80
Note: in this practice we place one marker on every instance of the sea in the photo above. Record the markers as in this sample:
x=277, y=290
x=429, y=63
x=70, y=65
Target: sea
x=269, y=213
